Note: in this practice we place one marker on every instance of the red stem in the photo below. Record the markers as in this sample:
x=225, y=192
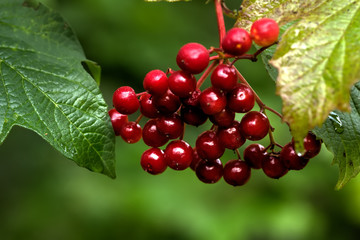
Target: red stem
x=220, y=20
x=205, y=74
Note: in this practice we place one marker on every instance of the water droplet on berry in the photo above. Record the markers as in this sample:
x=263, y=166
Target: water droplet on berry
x=336, y=122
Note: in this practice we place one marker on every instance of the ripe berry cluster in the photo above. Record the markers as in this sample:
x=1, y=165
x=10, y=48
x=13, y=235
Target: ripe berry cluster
x=173, y=99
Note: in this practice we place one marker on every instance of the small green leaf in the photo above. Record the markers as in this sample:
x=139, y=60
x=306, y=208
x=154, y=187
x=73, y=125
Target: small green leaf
x=318, y=62
x=93, y=69
x=340, y=133
x=45, y=88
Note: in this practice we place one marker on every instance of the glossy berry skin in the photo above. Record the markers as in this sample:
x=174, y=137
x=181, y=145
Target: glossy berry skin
x=209, y=171
x=171, y=126
x=193, y=58
x=156, y=82
x=193, y=116
x=182, y=84
x=131, y=132
x=236, y=172
x=231, y=137
x=237, y=41
x=224, y=77
x=178, y=155
x=125, y=100
x=291, y=159
x=224, y=118
x=264, y=32
x=254, y=154
x=147, y=107
x=151, y=136
x=212, y=101
x=241, y=99
x=167, y=103
x=312, y=145
x=208, y=146
x=117, y=120
x=254, y=125
x=273, y=167
x=153, y=161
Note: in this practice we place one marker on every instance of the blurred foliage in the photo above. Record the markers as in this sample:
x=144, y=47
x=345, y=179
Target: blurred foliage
x=44, y=196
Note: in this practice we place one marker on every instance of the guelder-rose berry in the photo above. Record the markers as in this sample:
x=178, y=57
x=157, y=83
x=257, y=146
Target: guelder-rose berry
x=208, y=146
x=236, y=172
x=237, y=41
x=151, y=136
x=153, y=161
x=117, y=120
x=156, y=82
x=147, y=107
x=125, y=100
x=131, y=132
x=182, y=84
x=171, y=126
x=178, y=155
x=193, y=58
x=264, y=32
x=193, y=116
x=241, y=99
x=231, y=137
x=254, y=125
x=291, y=159
x=312, y=145
x=212, y=100
x=167, y=103
x=254, y=154
x=209, y=171
x=224, y=77
x=273, y=167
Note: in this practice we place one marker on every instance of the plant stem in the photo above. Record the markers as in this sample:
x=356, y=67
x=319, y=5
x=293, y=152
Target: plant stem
x=205, y=74
x=220, y=20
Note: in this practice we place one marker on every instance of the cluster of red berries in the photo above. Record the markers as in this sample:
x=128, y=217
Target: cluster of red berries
x=174, y=98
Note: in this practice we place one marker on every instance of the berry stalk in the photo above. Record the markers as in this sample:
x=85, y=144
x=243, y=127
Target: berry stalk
x=220, y=20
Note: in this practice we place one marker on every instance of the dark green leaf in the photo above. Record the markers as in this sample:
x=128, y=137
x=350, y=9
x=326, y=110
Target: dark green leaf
x=45, y=88
x=340, y=133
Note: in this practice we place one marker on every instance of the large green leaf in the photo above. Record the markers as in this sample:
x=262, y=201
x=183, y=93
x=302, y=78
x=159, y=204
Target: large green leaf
x=340, y=133
x=318, y=62
x=45, y=88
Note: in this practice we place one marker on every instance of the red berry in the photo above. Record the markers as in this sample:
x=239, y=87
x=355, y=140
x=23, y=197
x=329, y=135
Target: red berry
x=170, y=125
x=156, y=82
x=291, y=159
x=224, y=118
x=273, y=167
x=212, y=100
x=167, y=103
x=254, y=125
x=131, y=132
x=236, y=172
x=193, y=58
x=193, y=116
x=193, y=100
x=117, y=120
x=237, y=41
x=230, y=137
x=153, y=161
x=182, y=84
x=125, y=100
x=264, y=32
x=241, y=99
x=147, y=107
x=224, y=77
x=151, y=136
x=209, y=171
x=208, y=146
x=254, y=154
x=178, y=155
x=312, y=145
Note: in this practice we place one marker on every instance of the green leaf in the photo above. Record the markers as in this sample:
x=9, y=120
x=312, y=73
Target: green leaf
x=45, y=88
x=282, y=11
x=340, y=133
x=318, y=61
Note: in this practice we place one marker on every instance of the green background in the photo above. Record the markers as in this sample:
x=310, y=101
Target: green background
x=45, y=196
